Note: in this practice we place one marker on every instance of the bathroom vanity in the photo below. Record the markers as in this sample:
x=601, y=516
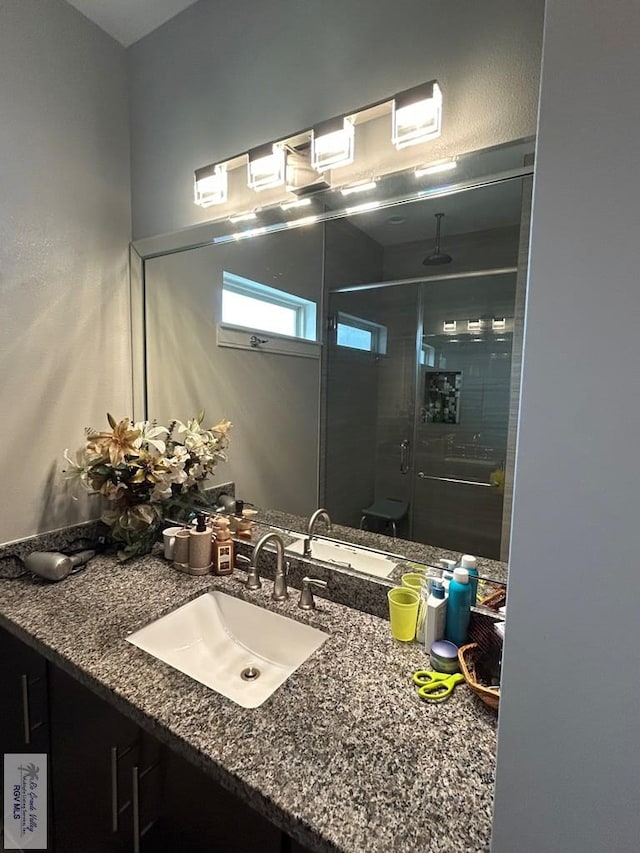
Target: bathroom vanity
x=344, y=756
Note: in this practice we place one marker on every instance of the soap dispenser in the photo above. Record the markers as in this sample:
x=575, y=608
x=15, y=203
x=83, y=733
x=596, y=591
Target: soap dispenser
x=222, y=548
x=200, y=547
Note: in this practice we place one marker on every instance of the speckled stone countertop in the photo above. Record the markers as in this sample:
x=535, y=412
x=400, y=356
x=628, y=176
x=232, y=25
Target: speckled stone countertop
x=344, y=756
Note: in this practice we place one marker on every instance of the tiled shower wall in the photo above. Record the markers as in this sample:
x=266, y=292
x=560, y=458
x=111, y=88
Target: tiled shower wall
x=371, y=401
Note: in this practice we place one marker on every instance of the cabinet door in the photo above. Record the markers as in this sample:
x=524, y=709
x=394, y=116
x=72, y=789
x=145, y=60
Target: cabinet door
x=199, y=816
x=23, y=697
x=24, y=719
x=93, y=751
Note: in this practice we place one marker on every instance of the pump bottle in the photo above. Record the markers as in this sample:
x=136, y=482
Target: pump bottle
x=222, y=548
x=436, y=615
x=200, y=546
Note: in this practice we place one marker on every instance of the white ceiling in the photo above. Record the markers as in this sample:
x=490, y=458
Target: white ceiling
x=130, y=20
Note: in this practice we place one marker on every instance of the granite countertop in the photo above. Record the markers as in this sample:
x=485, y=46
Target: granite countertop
x=344, y=756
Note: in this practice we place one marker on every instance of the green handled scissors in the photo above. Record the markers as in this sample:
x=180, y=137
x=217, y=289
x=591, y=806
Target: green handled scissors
x=436, y=686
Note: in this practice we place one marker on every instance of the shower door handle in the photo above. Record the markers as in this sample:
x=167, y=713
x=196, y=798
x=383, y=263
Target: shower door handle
x=404, y=456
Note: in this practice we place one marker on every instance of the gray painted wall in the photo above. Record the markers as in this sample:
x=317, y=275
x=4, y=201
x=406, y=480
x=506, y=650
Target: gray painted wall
x=227, y=75
x=568, y=774
x=64, y=228
x=271, y=399
x=350, y=380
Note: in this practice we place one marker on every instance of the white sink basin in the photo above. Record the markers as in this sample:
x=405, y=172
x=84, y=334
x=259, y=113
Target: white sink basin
x=222, y=641
x=341, y=554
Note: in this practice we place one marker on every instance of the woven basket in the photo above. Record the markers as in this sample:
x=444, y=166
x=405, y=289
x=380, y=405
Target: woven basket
x=496, y=600
x=468, y=656
x=484, y=643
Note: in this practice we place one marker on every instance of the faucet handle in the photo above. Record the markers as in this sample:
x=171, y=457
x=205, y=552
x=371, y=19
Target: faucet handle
x=307, y=601
x=253, y=578
x=242, y=562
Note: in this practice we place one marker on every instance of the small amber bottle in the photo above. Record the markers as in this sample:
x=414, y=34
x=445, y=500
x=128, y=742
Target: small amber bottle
x=222, y=548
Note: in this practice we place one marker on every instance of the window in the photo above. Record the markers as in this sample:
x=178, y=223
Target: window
x=358, y=333
x=257, y=306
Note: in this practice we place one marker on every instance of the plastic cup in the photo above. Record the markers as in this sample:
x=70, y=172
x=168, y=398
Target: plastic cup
x=413, y=580
x=403, y=612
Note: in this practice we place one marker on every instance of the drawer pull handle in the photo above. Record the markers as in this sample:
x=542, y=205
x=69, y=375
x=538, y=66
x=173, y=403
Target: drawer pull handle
x=116, y=810
x=136, y=778
x=26, y=717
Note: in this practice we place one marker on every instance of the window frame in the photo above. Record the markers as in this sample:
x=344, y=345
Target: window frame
x=377, y=330
x=305, y=310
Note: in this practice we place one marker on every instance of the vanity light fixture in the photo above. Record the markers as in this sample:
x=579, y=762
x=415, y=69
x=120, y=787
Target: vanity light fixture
x=210, y=185
x=361, y=187
x=332, y=144
x=360, y=208
x=435, y=169
x=499, y=324
x=302, y=164
x=417, y=115
x=449, y=326
x=474, y=326
x=266, y=167
x=243, y=217
x=293, y=205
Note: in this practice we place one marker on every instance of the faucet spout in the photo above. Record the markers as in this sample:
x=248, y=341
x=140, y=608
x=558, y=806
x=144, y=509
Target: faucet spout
x=280, y=591
x=319, y=515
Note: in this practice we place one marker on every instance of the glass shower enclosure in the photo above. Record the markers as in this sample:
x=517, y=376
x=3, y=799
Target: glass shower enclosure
x=418, y=398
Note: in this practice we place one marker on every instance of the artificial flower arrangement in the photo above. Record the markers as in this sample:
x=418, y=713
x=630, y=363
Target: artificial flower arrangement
x=147, y=472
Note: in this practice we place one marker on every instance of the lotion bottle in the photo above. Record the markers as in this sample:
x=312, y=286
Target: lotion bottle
x=222, y=549
x=458, y=608
x=436, y=615
x=470, y=563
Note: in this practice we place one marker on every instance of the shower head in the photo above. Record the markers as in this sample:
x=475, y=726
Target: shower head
x=437, y=257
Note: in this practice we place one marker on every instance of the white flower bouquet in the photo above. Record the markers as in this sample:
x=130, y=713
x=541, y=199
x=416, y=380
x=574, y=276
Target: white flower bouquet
x=147, y=471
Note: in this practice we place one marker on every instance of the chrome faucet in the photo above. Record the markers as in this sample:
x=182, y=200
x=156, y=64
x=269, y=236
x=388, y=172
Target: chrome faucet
x=317, y=515
x=280, y=591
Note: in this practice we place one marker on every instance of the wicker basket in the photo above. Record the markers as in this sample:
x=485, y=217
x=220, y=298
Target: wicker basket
x=468, y=656
x=484, y=642
x=496, y=600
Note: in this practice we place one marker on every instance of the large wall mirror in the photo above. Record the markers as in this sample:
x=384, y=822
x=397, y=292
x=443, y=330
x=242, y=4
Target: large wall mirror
x=393, y=401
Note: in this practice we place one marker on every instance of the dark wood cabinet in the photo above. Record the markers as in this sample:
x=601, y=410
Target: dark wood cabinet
x=112, y=787
x=23, y=697
x=94, y=750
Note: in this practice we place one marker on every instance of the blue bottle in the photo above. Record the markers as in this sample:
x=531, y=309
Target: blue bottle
x=458, y=608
